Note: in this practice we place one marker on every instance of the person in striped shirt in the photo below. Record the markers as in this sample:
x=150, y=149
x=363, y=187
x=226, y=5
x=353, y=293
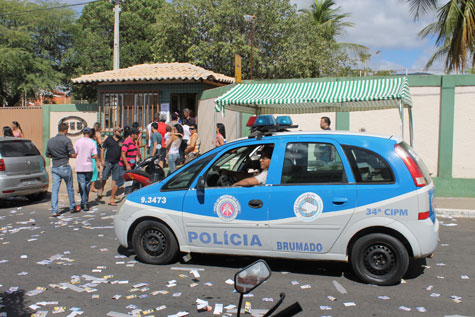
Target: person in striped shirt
x=128, y=152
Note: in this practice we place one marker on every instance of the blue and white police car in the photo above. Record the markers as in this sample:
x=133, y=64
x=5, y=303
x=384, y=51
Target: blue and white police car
x=328, y=195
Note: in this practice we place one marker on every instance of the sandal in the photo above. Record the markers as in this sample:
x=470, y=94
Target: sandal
x=112, y=203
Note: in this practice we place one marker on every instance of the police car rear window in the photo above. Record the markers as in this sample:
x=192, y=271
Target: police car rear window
x=312, y=163
x=185, y=177
x=368, y=166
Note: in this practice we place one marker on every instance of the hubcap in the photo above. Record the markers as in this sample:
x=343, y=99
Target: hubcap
x=379, y=260
x=154, y=242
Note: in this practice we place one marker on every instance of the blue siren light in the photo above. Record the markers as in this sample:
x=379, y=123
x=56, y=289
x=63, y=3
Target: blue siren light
x=283, y=120
x=265, y=120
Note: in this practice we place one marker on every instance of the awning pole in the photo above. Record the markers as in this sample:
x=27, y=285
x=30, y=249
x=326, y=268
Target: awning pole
x=401, y=114
x=411, y=126
x=214, y=127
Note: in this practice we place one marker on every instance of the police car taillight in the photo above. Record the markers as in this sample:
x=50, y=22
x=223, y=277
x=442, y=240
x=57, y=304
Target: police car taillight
x=416, y=173
x=423, y=215
x=2, y=165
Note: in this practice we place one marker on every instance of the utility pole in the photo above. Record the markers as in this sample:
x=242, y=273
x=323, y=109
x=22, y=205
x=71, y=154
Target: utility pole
x=116, y=58
x=250, y=19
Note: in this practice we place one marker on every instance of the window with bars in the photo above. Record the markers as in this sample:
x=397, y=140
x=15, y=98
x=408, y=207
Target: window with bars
x=122, y=108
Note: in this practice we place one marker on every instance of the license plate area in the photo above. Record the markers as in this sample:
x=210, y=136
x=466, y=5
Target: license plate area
x=30, y=181
x=128, y=183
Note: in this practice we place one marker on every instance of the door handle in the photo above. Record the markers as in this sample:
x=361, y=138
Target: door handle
x=340, y=200
x=256, y=203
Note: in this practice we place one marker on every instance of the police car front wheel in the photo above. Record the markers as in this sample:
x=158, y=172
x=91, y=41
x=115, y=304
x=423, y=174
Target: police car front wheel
x=154, y=243
x=379, y=259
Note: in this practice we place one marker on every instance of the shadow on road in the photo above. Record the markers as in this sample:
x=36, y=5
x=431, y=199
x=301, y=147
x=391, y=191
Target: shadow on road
x=14, y=304
x=326, y=268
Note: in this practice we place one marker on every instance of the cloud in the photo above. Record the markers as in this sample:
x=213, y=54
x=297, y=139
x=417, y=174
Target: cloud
x=382, y=24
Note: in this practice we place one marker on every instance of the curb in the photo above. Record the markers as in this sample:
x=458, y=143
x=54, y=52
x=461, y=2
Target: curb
x=456, y=213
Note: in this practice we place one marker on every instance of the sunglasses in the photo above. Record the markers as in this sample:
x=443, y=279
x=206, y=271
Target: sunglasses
x=192, y=129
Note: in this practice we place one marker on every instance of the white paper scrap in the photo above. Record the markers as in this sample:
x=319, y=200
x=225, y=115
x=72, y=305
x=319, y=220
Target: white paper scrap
x=349, y=304
x=218, y=309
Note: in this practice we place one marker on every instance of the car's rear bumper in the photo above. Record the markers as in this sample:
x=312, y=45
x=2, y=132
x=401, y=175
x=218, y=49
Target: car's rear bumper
x=22, y=185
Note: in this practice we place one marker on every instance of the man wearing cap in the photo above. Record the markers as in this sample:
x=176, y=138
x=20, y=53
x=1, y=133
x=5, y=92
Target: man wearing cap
x=86, y=150
x=110, y=161
x=259, y=179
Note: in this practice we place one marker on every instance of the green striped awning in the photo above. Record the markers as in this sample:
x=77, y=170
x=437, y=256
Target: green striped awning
x=322, y=96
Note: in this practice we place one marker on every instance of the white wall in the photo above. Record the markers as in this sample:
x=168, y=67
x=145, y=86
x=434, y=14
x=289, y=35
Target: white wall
x=463, y=164
x=207, y=127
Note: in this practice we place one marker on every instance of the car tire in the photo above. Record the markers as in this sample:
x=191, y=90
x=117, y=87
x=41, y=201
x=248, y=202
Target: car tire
x=154, y=243
x=37, y=197
x=379, y=259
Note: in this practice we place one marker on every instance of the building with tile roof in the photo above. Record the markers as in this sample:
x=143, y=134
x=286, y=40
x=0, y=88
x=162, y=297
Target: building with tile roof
x=136, y=93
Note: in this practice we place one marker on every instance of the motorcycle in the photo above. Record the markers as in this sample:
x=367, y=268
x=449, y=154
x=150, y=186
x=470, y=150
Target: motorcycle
x=251, y=277
x=143, y=174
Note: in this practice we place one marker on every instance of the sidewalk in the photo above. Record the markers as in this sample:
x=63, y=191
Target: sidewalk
x=444, y=206
x=455, y=207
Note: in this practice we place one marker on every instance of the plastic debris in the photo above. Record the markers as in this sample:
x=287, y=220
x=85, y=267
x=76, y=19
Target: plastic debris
x=349, y=304
x=404, y=308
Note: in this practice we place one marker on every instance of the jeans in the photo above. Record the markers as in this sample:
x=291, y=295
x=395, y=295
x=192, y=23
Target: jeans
x=59, y=173
x=84, y=183
x=172, y=159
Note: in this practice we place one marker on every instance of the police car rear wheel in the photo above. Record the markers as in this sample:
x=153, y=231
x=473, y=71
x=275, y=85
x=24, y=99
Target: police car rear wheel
x=379, y=259
x=154, y=243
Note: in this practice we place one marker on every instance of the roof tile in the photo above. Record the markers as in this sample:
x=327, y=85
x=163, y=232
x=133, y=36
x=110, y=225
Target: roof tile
x=163, y=71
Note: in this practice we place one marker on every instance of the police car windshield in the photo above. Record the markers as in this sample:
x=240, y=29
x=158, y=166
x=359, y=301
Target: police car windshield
x=231, y=159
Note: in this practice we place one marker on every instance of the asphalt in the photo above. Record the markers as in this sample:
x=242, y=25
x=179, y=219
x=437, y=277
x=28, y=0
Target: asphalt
x=459, y=207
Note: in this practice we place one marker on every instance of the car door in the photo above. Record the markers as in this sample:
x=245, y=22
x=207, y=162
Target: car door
x=313, y=200
x=219, y=217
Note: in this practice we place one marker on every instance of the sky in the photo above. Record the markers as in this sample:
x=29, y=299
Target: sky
x=386, y=26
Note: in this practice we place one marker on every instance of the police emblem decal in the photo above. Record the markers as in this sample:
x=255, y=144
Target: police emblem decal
x=227, y=207
x=308, y=207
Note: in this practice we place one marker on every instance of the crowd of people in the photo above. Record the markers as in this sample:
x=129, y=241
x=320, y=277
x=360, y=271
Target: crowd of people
x=99, y=157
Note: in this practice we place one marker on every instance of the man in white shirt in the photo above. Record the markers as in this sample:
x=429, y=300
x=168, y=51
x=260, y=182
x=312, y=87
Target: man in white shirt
x=260, y=179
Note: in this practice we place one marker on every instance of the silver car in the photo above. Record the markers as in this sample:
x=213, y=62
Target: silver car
x=22, y=170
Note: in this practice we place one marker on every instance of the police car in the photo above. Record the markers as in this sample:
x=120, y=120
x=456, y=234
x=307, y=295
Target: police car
x=328, y=195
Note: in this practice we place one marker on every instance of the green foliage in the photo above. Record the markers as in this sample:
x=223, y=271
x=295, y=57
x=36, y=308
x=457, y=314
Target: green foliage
x=31, y=48
x=454, y=31
x=209, y=34
x=94, y=39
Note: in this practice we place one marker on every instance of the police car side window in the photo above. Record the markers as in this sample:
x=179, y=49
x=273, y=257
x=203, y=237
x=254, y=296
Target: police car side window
x=183, y=179
x=368, y=166
x=312, y=163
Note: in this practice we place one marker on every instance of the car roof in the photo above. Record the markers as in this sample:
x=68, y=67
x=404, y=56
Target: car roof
x=331, y=133
x=12, y=138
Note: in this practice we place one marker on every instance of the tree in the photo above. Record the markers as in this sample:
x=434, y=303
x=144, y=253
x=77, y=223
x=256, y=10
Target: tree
x=330, y=22
x=454, y=29
x=209, y=33
x=33, y=39
x=94, y=38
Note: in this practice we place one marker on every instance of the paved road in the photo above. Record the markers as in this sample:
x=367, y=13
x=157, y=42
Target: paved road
x=39, y=251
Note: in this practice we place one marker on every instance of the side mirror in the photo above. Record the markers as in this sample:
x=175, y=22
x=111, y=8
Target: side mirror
x=251, y=277
x=200, y=185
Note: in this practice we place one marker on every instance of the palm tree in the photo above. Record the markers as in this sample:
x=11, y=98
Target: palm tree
x=330, y=21
x=455, y=31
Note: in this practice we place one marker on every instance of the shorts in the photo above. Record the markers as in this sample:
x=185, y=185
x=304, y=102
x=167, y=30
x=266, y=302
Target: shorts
x=114, y=169
x=122, y=171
